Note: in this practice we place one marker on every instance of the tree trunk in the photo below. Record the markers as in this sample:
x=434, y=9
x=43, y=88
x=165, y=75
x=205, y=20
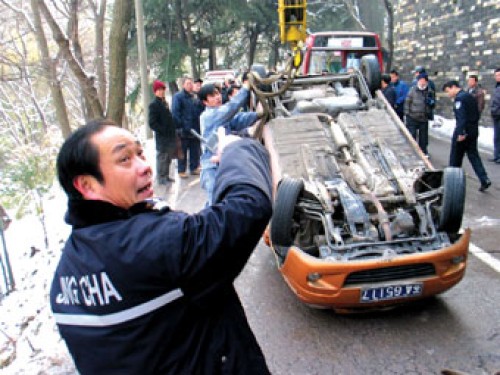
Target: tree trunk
x=99, y=49
x=192, y=49
x=212, y=53
x=253, y=35
x=72, y=32
x=122, y=15
x=51, y=74
x=274, y=57
x=390, y=33
x=86, y=82
x=353, y=11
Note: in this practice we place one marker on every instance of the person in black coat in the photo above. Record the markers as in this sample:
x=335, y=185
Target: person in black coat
x=161, y=122
x=388, y=91
x=143, y=289
x=464, y=139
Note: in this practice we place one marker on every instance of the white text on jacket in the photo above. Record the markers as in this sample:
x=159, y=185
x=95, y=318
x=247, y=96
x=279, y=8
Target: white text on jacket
x=90, y=289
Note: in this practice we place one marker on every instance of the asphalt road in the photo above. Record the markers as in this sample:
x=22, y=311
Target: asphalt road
x=457, y=330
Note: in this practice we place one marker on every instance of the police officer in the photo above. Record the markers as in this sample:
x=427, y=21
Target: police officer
x=464, y=139
x=142, y=289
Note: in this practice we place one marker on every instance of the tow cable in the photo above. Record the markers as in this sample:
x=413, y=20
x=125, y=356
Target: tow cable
x=256, y=81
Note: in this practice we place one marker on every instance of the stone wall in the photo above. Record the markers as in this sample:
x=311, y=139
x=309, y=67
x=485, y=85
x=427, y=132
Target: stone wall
x=452, y=39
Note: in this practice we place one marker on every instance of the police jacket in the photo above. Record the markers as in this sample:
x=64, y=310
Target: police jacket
x=161, y=122
x=495, y=103
x=186, y=109
x=466, y=115
x=148, y=291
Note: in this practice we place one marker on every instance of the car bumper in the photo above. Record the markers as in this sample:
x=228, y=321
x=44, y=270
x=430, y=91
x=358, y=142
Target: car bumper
x=322, y=283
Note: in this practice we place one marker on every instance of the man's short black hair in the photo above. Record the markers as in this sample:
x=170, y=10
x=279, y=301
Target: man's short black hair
x=394, y=71
x=206, y=90
x=450, y=84
x=473, y=76
x=497, y=70
x=79, y=156
x=386, y=78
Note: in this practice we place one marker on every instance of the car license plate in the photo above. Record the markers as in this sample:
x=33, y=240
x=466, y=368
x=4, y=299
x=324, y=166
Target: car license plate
x=391, y=292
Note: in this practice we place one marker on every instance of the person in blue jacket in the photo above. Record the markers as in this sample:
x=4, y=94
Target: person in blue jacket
x=401, y=92
x=186, y=110
x=143, y=289
x=215, y=116
x=464, y=139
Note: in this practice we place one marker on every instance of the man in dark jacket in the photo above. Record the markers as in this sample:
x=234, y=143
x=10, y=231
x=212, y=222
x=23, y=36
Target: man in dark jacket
x=419, y=105
x=475, y=89
x=495, y=114
x=161, y=122
x=142, y=289
x=421, y=70
x=464, y=139
x=388, y=90
x=186, y=109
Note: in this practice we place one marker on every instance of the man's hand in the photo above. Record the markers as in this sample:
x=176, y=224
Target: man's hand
x=461, y=138
x=224, y=140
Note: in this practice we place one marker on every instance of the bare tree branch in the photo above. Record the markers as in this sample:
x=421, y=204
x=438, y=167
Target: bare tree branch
x=50, y=70
x=390, y=32
x=86, y=81
x=353, y=10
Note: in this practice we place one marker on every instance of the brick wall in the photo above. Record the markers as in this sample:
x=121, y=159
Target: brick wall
x=451, y=38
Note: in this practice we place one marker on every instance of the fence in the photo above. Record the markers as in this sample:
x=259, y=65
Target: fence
x=8, y=283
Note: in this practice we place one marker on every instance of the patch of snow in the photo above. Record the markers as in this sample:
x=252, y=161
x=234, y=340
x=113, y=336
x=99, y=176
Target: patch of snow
x=443, y=128
x=29, y=339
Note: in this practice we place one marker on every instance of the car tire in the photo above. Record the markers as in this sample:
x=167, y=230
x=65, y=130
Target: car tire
x=453, y=201
x=370, y=69
x=282, y=227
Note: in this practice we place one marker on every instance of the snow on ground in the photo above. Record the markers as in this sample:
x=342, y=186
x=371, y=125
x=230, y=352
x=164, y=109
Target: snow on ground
x=29, y=340
x=443, y=128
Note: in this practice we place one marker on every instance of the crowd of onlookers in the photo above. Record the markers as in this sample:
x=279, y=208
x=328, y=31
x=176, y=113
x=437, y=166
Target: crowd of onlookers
x=186, y=130
x=414, y=104
x=180, y=131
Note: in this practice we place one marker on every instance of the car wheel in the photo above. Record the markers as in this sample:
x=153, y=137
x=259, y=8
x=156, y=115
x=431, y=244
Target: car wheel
x=370, y=69
x=453, y=202
x=282, y=226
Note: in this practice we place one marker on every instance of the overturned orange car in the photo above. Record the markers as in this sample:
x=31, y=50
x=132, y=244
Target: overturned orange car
x=362, y=220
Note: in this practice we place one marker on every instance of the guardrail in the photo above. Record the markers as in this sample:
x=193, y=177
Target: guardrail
x=8, y=284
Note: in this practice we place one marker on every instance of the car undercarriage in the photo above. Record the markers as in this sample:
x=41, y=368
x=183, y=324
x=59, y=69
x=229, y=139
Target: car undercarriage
x=351, y=184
